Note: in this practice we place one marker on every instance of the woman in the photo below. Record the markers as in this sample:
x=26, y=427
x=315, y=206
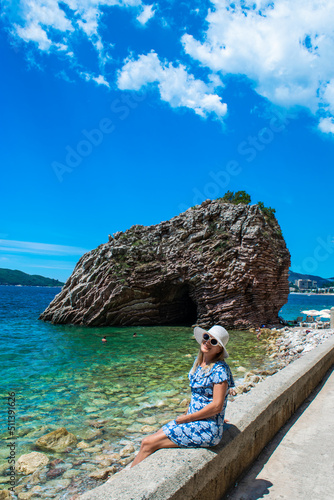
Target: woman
x=210, y=379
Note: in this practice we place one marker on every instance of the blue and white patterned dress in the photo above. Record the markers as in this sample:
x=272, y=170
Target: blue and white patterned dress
x=208, y=431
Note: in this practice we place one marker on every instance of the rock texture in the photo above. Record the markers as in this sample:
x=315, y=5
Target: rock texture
x=5, y=495
x=215, y=263
x=29, y=463
x=57, y=440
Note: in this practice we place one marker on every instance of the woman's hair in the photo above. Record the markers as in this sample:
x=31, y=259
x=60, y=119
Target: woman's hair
x=220, y=357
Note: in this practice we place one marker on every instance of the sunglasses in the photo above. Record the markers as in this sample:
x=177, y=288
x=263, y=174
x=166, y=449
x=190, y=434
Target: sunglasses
x=206, y=337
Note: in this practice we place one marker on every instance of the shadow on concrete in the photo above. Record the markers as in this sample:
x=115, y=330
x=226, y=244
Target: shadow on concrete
x=258, y=489
x=253, y=488
x=230, y=432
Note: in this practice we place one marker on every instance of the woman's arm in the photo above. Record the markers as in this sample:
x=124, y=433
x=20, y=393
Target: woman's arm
x=219, y=393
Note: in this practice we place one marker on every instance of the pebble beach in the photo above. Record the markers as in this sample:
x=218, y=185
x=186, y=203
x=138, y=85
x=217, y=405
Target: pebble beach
x=283, y=345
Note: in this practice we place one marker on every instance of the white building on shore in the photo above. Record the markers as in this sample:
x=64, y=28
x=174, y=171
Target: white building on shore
x=306, y=284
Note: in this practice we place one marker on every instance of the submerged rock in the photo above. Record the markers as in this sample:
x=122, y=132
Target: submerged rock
x=105, y=463
x=69, y=474
x=93, y=449
x=82, y=445
x=29, y=463
x=103, y=473
x=126, y=460
x=58, y=440
x=148, y=420
x=148, y=429
x=91, y=434
x=114, y=456
x=127, y=450
x=215, y=263
x=241, y=369
x=26, y=495
x=55, y=472
x=5, y=495
x=103, y=456
x=58, y=484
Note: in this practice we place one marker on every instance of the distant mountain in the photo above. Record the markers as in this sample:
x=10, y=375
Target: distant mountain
x=10, y=277
x=297, y=276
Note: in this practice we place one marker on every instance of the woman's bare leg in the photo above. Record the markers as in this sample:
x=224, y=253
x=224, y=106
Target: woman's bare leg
x=152, y=443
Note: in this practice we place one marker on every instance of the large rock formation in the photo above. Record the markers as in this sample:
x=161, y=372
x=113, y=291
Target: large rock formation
x=215, y=263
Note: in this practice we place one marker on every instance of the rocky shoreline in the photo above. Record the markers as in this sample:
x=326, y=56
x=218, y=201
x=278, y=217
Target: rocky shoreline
x=66, y=475
x=283, y=346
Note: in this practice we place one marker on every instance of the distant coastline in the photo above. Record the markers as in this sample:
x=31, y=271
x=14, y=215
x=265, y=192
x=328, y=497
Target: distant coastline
x=34, y=286
x=10, y=277
x=310, y=293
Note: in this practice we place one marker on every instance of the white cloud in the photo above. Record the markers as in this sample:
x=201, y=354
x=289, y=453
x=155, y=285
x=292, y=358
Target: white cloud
x=328, y=95
x=61, y=46
x=64, y=76
x=43, y=22
x=69, y=267
x=100, y=80
x=176, y=85
x=43, y=16
x=39, y=248
x=89, y=20
x=284, y=47
x=37, y=17
x=146, y=14
x=34, y=33
x=135, y=74
x=326, y=125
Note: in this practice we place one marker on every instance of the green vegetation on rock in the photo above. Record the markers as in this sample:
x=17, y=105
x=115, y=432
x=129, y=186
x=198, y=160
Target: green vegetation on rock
x=268, y=211
x=237, y=197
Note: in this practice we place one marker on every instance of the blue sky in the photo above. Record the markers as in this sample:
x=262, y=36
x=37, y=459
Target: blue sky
x=120, y=112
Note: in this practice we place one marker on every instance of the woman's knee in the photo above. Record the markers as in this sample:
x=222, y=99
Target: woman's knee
x=149, y=443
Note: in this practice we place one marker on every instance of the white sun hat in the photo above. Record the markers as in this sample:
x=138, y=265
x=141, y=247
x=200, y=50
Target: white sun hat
x=217, y=332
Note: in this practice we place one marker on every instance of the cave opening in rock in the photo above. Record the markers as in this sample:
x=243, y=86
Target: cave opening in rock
x=176, y=305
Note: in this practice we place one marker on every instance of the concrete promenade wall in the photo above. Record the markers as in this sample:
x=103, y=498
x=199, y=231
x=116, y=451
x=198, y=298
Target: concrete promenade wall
x=206, y=474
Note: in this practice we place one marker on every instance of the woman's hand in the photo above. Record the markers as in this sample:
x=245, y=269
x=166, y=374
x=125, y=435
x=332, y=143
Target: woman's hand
x=183, y=419
x=219, y=392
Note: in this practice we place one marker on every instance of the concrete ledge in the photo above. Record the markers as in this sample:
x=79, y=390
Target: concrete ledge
x=206, y=474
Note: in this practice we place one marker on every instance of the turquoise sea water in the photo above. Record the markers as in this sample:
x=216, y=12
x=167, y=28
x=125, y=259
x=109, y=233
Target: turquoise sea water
x=64, y=376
